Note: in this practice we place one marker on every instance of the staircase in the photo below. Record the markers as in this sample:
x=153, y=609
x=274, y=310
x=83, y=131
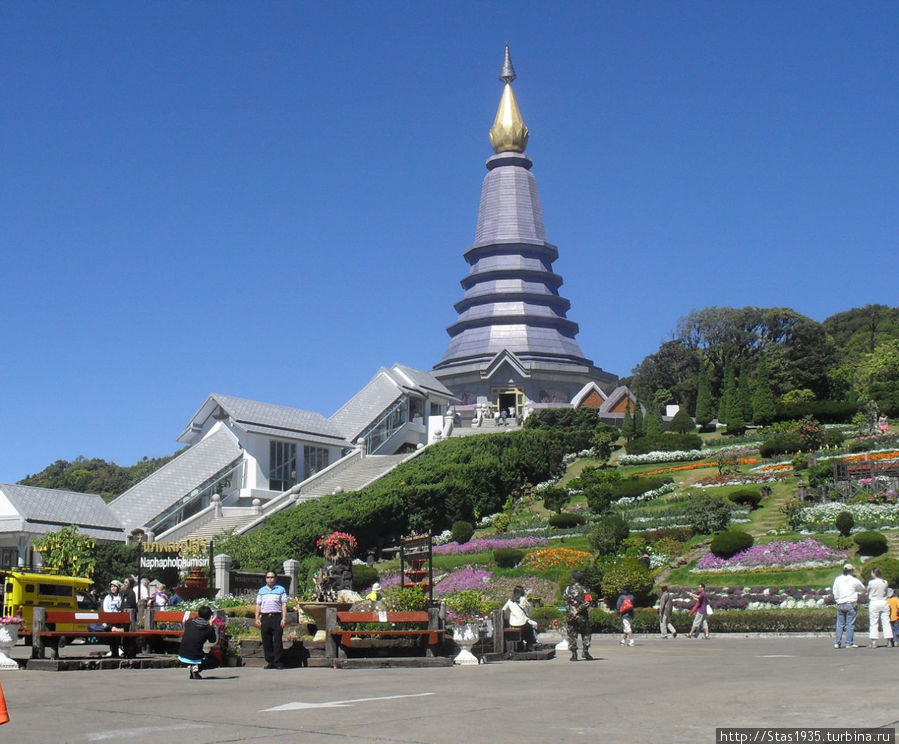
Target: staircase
x=351, y=477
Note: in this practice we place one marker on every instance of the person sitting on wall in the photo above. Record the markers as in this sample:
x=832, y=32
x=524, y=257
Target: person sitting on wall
x=517, y=609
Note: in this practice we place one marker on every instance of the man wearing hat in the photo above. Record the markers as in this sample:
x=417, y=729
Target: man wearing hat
x=845, y=594
x=577, y=602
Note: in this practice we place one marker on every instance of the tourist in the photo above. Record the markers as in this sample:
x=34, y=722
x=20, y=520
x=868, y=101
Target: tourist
x=271, y=617
x=160, y=599
x=883, y=423
x=112, y=602
x=197, y=640
x=577, y=603
x=878, y=609
x=893, y=604
x=666, y=604
x=128, y=602
x=625, y=606
x=700, y=613
x=143, y=594
x=845, y=595
x=517, y=609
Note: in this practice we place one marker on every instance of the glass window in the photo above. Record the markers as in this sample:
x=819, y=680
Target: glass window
x=314, y=459
x=282, y=473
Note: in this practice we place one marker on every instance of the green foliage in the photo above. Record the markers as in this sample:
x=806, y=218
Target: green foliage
x=811, y=433
x=469, y=603
x=546, y=616
x=363, y=576
x=826, y=411
x=871, y=543
x=507, y=557
x=114, y=561
x=95, y=475
x=67, y=551
x=608, y=534
x=730, y=542
x=565, y=520
x=792, y=512
x=791, y=442
x=628, y=429
x=596, y=486
x=593, y=574
x=748, y=496
x=705, y=411
x=664, y=443
x=654, y=423
x=764, y=406
x=574, y=428
x=681, y=423
x=889, y=568
x=708, y=513
x=844, y=523
x=462, y=531
x=799, y=462
x=624, y=572
x=405, y=598
x=555, y=498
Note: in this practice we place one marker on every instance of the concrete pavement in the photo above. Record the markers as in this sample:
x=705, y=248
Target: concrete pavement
x=668, y=691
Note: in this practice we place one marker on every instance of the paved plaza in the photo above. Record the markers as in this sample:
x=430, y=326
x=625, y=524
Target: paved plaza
x=666, y=691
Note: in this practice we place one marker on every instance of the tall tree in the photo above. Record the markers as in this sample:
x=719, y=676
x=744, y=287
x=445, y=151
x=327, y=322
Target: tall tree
x=764, y=406
x=744, y=395
x=705, y=412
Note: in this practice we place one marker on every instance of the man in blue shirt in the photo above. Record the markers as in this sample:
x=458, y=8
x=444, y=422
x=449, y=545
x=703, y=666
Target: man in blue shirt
x=271, y=617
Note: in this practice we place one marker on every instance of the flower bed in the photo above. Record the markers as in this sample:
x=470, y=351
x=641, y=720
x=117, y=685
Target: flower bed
x=756, y=597
x=820, y=517
x=484, y=544
x=556, y=558
x=683, y=455
x=792, y=555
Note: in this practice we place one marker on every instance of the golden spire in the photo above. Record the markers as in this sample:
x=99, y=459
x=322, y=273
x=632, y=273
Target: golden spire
x=508, y=133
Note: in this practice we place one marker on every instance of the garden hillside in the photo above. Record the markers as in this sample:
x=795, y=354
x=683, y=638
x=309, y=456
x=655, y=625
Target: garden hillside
x=764, y=530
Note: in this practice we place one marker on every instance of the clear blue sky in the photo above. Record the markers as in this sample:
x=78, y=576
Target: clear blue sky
x=271, y=199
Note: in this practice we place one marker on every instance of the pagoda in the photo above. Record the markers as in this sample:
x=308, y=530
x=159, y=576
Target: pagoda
x=513, y=346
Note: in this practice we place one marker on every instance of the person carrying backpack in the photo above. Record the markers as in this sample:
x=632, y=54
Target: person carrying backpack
x=625, y=606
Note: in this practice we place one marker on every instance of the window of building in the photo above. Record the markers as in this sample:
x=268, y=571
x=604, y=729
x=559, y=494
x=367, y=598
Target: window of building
x=314, y=460
x=282, y=461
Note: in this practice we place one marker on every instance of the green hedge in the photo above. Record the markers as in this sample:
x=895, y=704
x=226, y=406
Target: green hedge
x=566, y=520
x=663, y=443
x=734, y=621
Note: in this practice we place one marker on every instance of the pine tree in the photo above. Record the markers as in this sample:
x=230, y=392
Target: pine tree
x=682, y=423
x=639, y=426
x=734, y=410
x=704, y=410
x=627, y=426
x=728, y=392
x=763, y=404
x=744, y=395
x=654, y=423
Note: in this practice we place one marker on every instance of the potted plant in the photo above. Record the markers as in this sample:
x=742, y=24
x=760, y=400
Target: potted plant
x=9, y=636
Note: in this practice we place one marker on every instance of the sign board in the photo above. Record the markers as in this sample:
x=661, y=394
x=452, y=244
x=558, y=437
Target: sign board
x=244, y=582
x=182, y=555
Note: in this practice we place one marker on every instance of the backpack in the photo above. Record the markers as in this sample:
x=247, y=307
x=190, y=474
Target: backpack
x=627, y=604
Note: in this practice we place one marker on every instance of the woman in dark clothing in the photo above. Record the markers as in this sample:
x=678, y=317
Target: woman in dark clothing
x=128, y=603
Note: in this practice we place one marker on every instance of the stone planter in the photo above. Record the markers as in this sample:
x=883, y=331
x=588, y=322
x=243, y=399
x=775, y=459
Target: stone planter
x=9, y=637
x=317, y=610
x=465, y=636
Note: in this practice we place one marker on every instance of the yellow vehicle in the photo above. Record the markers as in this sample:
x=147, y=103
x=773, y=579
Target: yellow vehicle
x=23, y=591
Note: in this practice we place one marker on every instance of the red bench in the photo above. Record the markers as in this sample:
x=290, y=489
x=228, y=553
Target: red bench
x=339, y=639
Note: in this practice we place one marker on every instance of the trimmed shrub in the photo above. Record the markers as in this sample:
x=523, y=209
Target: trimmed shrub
x=663, y=443
x=635, y=487
x=871, y=543
x=889, y=568
x=555, y=499
x=733, y=621
x=708, y=513
x=566, y=519
x=782, y=444
x=462, y=531
x=750, y=497
x=730, y=542
x=546, y=615
x=682, y=423
x=608, y=534
x=681, y=534
x=363, y=576
x=507, y=557
x=844, y=523
x=621, y=572
x=593, y=574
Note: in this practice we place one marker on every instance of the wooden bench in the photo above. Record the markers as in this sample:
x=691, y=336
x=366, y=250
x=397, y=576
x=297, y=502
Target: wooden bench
x=44, y=632
x=338, y=639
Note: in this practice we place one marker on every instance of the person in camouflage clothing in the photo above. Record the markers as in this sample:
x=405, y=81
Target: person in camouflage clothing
x=577, y=603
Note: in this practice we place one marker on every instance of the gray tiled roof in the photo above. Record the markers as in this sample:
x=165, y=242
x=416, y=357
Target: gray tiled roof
x=251, y=412
x=421, y=380
x=49, y=509
x=165, y=487
x=366, y=405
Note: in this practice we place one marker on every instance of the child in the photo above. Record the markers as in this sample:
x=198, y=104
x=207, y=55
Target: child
x=625, y=607
x=893, y=604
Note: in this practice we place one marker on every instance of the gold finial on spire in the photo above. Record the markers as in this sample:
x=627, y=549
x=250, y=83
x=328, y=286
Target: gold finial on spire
x=508, y=133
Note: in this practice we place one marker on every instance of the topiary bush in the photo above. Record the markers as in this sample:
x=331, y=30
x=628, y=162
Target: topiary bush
x=750, y=497
x=555, y=499
x=507, y=557
x=547, y=616
x=889, y=568
x=566, y=519
x=844, y=523
x=462, y=531
x=621, y=572
x=363, y=576
x=682, y=423
x=730, y=542
x=608, y=534
x=708, y=513
x=871, y=543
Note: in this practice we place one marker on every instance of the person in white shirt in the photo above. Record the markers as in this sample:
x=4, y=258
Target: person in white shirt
x=845, y=594
x=517, y=608
x=878, y=609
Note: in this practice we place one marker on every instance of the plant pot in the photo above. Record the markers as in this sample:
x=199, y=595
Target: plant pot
x=465, y=636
